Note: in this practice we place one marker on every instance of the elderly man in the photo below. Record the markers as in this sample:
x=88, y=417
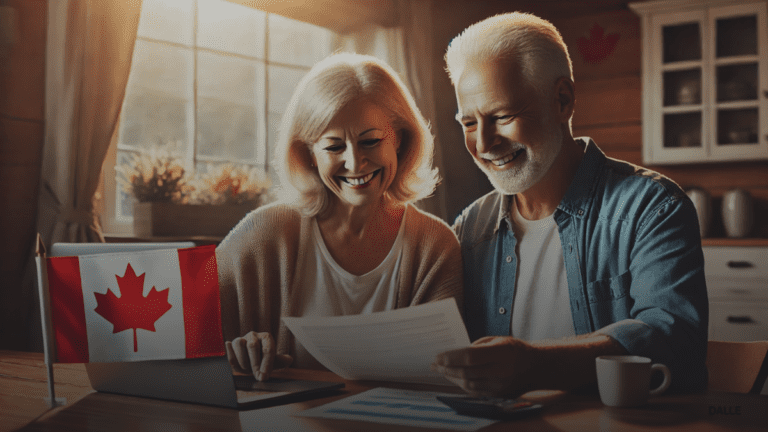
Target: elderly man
x=574, y=255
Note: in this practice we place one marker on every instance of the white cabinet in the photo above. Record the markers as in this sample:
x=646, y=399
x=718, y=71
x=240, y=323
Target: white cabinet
x=737, y=286
x=705, y=80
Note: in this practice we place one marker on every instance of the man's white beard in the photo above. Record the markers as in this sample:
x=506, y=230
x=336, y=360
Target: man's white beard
x=520, y=178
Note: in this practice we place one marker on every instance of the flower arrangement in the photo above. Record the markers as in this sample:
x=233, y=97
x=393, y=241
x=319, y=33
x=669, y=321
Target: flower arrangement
x=229, y=184
x=159, y=175
x=155, y=175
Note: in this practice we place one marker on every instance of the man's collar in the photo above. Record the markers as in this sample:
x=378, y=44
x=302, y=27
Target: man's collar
x=579, y=193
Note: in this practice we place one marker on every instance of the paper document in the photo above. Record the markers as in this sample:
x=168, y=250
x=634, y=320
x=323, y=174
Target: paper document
x=400, y=407
x=397, y=345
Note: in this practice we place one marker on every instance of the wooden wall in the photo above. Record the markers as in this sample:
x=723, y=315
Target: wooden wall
x=608, y=99
x=22, y=104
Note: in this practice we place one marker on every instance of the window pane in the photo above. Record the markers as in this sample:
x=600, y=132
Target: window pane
x=229, y=27
x=682, y=42
x=297, y=43
x=737, y=36
x=682, y=87
x=124, y=200
x=158, y=100
x=282, y=83
x=737, y=126
x=682, y=130
x=230, y=101
x=167, y=20
x=737, y=82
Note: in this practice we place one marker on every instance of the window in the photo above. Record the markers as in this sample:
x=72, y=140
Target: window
x=211, y=79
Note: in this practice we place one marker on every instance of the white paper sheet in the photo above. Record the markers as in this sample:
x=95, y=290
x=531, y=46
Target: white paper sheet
x=400, y=407
x=397, y=345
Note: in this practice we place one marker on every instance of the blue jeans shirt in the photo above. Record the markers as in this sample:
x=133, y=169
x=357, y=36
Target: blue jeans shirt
x=633, y=257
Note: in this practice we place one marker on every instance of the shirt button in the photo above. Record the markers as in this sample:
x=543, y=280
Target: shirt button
x=581, y=212
x=502, y=310
x=509, y=258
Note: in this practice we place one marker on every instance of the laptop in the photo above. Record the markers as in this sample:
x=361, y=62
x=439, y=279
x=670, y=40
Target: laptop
x=207, y=381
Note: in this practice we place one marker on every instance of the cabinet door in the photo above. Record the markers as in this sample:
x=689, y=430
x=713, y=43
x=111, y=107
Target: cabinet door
x=739, y=91
x=679, y=102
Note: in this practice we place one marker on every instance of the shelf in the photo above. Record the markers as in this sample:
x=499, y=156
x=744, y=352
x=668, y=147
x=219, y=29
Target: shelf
x=743, y=242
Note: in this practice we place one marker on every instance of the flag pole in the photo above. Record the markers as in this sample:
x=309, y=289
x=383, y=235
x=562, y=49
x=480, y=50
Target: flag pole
x=45, y=317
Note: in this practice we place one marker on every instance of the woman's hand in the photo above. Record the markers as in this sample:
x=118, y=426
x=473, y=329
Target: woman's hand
x=256, y=353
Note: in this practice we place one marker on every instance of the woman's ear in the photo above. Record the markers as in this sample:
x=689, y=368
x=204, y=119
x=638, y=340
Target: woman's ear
x=566, y=98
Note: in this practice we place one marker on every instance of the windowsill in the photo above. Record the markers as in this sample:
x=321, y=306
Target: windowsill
x=199, y=240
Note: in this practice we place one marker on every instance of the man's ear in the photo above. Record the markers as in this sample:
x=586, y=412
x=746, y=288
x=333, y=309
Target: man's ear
x=566, y=98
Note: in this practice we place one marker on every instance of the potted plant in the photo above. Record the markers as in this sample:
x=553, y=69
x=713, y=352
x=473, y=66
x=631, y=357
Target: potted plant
x=171, y=202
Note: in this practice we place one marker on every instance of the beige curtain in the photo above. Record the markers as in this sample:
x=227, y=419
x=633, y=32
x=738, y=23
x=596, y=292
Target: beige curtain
x=88, y=60
x=407, y=47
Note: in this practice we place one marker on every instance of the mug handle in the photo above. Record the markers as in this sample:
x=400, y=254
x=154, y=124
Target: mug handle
x=667, y=379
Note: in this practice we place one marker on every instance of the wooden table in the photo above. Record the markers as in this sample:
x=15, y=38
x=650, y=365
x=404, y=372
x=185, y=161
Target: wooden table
x=23, y=391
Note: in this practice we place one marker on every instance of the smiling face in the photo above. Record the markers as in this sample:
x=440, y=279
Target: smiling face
x=511, y=131
x=356, y=156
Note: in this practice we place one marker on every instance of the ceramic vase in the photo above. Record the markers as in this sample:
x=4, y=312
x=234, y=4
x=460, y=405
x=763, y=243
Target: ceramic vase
x=703, y=203
x=738, y=213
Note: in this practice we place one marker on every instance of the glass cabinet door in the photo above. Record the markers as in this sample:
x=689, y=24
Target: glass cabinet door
x=739, y=58
x=681, y=77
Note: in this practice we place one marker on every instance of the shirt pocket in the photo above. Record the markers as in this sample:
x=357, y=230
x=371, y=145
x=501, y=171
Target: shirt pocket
x=609, y=289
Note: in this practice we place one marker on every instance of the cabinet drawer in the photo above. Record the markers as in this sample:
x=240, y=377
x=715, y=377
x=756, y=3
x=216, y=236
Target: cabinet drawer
x=735, y=262
x=738, y=321
x=737, y=290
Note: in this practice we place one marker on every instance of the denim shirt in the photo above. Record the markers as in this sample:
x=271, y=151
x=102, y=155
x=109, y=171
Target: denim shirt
x=633, y=258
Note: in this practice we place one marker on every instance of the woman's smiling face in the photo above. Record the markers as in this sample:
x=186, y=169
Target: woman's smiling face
x=356, y=156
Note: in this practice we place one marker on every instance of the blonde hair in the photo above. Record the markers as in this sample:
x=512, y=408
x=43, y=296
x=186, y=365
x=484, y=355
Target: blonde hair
x=328, y=87
x=529, y=42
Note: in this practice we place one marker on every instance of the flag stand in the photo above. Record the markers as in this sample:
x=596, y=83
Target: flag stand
x=45, y=317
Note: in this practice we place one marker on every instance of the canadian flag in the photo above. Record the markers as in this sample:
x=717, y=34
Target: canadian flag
x=148, y=305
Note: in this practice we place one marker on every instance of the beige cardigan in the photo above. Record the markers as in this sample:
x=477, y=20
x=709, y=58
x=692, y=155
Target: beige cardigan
x=260, y=282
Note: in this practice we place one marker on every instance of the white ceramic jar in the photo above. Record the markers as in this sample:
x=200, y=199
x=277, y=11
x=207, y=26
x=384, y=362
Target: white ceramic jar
x=738, y=213
x=703, y=203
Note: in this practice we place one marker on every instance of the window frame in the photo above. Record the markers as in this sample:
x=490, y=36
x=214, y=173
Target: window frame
x=105, y=202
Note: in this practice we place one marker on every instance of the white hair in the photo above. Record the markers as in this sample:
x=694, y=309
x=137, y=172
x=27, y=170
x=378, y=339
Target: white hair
x=529, y=42
x=328, y=87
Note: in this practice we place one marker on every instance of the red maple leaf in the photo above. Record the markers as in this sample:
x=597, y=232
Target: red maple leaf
x=132, y=309
x=598, y=46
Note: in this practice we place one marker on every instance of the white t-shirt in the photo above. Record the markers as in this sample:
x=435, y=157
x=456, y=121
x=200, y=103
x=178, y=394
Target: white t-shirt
x=336, y=292
x=541, y=307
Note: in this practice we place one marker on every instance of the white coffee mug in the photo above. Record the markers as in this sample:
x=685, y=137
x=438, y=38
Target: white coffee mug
x=625, y=381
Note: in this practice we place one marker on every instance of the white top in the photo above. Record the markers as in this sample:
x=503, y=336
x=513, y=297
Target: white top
x=337, y=292
x=541, y=307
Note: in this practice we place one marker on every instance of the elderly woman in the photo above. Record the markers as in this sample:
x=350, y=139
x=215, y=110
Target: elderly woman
x=353, y=155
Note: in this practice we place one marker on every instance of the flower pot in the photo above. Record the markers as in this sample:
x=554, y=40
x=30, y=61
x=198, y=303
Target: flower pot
x=159, y=219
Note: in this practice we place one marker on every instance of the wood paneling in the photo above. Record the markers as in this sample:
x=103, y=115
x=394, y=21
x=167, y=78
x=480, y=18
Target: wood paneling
x=22, y=111
x=21, y=94
x=608, y=102
x=581, y=31
x=614, y=138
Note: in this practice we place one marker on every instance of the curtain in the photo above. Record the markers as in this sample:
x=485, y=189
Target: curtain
x=88, y=60
x=407, y=47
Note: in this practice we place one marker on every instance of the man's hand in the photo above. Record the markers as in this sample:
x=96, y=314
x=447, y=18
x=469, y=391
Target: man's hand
x=504, y=366
x=256, y=353
x=492, y=366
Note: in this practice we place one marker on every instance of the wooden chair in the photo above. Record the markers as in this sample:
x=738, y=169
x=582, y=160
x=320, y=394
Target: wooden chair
x=737, y=367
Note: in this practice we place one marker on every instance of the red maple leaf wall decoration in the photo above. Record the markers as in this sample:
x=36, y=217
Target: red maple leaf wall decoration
x=599, y=45
x=132, y=309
